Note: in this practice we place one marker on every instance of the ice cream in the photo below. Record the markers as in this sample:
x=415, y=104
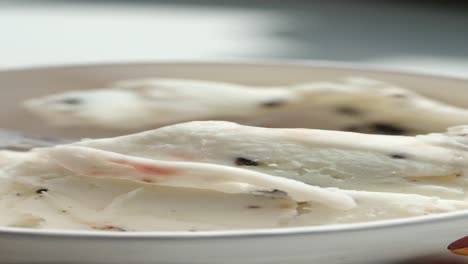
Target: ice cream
x=215, y=175
x=433, y=164
x=353, y=104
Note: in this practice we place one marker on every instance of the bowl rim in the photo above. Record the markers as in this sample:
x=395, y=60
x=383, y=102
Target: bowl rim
x=240, y=233
x=259, y=62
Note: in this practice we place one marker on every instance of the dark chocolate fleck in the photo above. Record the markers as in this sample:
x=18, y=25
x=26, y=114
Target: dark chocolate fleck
x=72, y=101
x=398, y=95
x=42, y=190
x=352, y=129
x=338, y=177
x=398, y=156
x=275, y=192
x=387, y=129
x=110, y=228
x=17, y=148
x=245, y=162
x=64, y=211
x=377, y=128
x=348, y=110
x=253, y=207
x=275, y=103
x=18, y=194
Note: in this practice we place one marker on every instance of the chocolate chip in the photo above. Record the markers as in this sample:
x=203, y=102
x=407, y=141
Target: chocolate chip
x=352, y=129
x=72, y=101
x=42, y=190
x=398, y=95
x=245, y=162
x=275, y=192
x=275, y=103
x=348, y=110
x=110, y=228
x=377, y=128
x=398, y=156
x=387, y=129
x=253, y=207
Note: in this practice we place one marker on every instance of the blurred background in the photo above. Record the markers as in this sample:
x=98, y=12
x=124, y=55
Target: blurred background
x=426, y=36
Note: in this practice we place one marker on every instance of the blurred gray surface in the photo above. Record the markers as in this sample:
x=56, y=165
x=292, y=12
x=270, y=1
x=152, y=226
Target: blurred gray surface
x=427, y=36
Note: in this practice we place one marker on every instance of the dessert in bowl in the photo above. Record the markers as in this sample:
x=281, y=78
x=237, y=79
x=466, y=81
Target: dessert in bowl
x=188, y=191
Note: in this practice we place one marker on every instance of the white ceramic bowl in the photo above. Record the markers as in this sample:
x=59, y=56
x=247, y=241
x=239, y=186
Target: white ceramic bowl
x=377, y=242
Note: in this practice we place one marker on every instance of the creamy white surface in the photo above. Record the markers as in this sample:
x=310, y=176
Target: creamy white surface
x=188, y=177
x=433, y=164
x=354, y=104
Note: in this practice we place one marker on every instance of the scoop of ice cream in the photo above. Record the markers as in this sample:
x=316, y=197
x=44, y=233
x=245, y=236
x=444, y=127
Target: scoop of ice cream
x=433, y=164
x=353, y=104
x=193, y=176
x=149, y=103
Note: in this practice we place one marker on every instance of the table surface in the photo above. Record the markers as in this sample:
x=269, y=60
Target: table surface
x=403, y=34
